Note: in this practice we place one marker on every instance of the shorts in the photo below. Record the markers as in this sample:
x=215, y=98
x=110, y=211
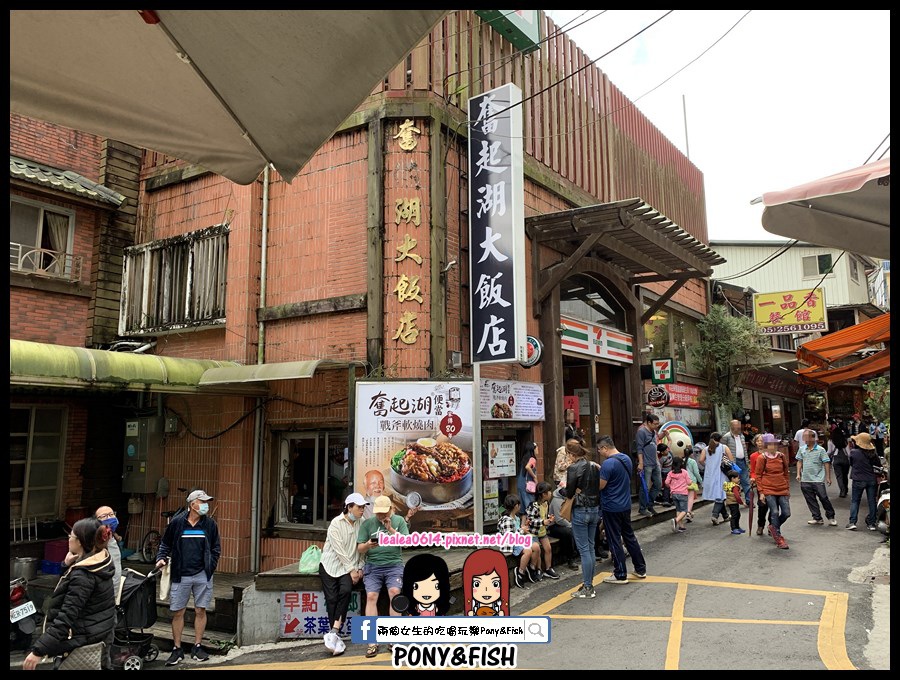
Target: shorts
x=680, y=502
x=198, y=584
x=389, y=576
x=517, y=550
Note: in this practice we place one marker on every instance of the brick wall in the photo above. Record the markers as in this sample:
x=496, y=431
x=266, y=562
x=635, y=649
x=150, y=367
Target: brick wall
x=54, y=145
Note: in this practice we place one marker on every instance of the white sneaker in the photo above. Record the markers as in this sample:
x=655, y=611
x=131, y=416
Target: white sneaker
x=339, y=647
x=832, y=522
x=331, y=640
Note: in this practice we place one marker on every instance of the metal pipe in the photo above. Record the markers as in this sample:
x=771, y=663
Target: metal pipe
x=259, y=426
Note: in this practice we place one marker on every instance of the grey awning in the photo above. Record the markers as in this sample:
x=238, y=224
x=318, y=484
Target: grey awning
x=287, y=370
x=632, y=236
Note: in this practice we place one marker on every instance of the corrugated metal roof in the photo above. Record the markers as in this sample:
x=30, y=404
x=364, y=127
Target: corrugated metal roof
x=633, y=236
x=63, y=180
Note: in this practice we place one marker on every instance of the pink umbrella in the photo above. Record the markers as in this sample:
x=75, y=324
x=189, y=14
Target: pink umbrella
x=850, y=210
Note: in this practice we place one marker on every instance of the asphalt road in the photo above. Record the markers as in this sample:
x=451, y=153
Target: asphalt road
x=711, y=601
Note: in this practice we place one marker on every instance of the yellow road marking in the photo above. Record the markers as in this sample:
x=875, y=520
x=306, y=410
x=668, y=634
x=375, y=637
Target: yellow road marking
x=831, y=642
x=673, y=648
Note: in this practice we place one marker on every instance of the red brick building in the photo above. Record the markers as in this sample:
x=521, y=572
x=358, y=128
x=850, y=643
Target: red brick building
x=323, y=281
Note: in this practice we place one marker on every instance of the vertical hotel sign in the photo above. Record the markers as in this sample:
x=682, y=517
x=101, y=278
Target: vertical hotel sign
x=496, y=226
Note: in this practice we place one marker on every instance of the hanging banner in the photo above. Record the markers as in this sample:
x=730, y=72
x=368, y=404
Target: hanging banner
x=596, y=341
x=415, y=438
x=511, y=400
x=497, y=226
x=790, y=311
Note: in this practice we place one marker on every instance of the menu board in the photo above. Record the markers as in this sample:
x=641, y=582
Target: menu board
x=491, y=505
x=511, y=400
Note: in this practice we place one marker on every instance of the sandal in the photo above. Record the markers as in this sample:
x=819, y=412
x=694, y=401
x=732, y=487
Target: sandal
x=371, y=650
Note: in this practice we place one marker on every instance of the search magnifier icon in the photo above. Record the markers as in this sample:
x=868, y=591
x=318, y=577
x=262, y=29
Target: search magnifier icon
x=535, y=629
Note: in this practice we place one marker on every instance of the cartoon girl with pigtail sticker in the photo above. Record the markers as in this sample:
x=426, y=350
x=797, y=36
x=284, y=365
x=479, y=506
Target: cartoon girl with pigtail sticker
x=426, y=587
x=486, y=583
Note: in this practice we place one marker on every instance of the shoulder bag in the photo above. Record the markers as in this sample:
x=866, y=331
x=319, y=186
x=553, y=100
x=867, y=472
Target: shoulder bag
x=84, y=658
x=565, y=511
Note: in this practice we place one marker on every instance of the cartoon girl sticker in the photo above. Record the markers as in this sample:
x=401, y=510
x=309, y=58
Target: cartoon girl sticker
x=426, y=587
x=486, y=583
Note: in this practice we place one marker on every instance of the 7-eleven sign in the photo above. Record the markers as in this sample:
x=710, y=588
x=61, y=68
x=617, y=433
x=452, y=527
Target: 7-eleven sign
x=663, y=371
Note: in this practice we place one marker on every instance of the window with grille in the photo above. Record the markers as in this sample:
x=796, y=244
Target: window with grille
x=36, y=442
x=175, y=283
x=817, y=265
x=41, y=239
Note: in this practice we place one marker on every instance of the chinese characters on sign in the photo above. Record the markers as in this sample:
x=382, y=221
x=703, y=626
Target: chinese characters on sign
x=510, y=400
x=407, y=135
x=408, y=210
x=501, y=459
x=497, y=234
x=418, y=437
x=790, y=311
x=303, y=614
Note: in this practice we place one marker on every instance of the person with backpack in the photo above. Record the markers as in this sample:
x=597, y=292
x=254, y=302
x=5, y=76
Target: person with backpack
x=838, y=452
x=773, y=485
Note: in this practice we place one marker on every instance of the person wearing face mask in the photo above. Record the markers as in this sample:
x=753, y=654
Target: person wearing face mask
x=191, y=545
x=107, y=517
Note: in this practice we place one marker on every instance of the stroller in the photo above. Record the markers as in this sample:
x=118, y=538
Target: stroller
x=136, y=609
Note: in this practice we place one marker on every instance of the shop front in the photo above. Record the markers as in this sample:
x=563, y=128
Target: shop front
x=776, y=403
x=680, y=403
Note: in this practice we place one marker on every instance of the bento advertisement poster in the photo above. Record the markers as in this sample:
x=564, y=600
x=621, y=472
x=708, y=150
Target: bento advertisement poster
x=414, y=439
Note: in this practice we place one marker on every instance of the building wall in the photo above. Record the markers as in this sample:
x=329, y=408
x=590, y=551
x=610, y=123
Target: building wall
x=54, y=145
x=786, y=271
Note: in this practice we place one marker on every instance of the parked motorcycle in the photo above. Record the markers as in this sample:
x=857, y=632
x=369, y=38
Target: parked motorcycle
x=23, y=615
x=883, y=509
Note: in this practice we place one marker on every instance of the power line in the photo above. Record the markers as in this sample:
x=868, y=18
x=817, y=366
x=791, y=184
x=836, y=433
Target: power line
x=884, y=152
x=874, y=151
x=778, y=253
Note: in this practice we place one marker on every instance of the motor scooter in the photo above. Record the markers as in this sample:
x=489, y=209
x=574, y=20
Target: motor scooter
x=23, y=615
x=883, y=509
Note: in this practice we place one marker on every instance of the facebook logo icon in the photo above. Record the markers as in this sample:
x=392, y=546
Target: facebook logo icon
x=363, y=629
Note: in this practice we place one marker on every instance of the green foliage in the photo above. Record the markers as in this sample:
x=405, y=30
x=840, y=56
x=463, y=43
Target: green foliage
x=728, y=347
x=878, y=399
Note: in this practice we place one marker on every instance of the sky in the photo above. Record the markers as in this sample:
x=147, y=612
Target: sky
x=786, y=97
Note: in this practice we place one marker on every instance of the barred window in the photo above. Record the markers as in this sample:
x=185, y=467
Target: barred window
x=175, y=283
x=41, y=239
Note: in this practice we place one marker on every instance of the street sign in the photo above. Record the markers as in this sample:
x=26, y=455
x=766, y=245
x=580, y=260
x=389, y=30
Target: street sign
x=663, y=371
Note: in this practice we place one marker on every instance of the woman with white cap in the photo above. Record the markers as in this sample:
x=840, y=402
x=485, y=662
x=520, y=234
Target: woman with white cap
x=340, y=567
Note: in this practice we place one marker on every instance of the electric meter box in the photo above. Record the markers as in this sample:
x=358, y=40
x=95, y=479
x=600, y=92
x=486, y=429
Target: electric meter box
x=142, y=464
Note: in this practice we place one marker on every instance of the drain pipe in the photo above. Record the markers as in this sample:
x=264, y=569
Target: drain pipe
x=259, y=427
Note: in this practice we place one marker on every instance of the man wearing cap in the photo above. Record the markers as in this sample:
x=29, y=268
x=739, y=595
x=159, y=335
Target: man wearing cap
x=192, y=548
x=384, y=563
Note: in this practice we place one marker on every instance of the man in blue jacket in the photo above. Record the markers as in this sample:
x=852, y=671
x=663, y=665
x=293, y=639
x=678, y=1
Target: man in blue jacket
x=191, y=545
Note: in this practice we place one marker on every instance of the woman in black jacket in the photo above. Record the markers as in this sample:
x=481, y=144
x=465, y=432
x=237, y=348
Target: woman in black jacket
x=583, y=482
x=83, y=606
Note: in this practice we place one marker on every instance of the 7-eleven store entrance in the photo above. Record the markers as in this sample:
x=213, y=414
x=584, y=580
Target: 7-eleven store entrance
x=596, y=361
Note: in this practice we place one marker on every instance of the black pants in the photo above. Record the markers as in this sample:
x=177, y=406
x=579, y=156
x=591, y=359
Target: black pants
x=735, y=511
x=618, y=529
x=762, y=512
x=337, y=595
x=841, y=470
x=879, y=446
x=815, y=493
x=568, y=551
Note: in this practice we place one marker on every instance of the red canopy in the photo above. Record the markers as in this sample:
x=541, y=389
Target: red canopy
x=823, y=352
x=842, y=343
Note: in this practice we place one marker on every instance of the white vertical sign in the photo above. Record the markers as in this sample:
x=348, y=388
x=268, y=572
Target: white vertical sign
x=497, y=226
